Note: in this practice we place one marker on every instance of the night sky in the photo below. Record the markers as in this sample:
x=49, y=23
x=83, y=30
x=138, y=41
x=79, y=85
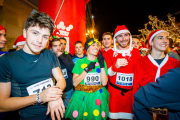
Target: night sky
x=133, y=13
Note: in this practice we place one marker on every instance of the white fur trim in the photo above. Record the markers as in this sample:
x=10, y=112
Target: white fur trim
x=156, y=34
x=110, y=72
x=156, y=64
x=121, y=31
x=123, y=52
x=19, y=43
x=121, y=115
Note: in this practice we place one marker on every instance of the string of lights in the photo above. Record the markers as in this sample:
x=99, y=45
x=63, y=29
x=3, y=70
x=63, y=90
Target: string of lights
x=156, y=24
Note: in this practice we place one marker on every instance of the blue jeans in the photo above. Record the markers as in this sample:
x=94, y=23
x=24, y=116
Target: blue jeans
x=67, y=97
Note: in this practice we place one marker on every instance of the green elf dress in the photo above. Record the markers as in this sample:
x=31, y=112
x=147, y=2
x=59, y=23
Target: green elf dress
x=90, y=100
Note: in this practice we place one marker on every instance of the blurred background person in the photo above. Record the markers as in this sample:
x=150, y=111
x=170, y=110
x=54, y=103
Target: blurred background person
x=172, y=53
x=2, y=39
x=79, y=52
x=143, y=52
x=18, y=44
x=135, y=42
x=107, y=41
x=66, y=65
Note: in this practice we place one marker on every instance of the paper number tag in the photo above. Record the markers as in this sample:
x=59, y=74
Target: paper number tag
x=40, y=86
x=124, y=79
x=92, y=79
x=64, y=72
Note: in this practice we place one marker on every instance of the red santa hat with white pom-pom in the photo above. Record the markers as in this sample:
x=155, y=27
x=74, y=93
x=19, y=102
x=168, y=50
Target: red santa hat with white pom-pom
x=19, y=41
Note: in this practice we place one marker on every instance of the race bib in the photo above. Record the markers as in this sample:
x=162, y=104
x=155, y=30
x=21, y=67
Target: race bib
x=64, y=72
x=40, y=86
x=124, y=79
x=92, y=79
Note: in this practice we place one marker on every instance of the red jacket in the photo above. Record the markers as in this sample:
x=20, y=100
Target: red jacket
x=146, y=70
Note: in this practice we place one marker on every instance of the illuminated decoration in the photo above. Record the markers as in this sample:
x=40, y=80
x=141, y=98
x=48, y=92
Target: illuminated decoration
x=156, y=24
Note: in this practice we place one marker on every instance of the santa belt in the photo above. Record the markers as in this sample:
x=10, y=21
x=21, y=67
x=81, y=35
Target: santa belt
x=122, y=89
x=88, y=89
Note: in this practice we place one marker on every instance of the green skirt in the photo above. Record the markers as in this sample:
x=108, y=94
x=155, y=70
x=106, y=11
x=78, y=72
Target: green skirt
x=88, y=106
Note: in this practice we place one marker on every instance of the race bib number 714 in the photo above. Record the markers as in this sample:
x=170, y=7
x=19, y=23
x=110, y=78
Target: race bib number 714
x=124, y=79
x=40, y=86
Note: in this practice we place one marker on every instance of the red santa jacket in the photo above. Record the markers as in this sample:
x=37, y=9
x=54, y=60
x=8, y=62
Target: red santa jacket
x=129, y=69
x=105, y=53
x=147, y=70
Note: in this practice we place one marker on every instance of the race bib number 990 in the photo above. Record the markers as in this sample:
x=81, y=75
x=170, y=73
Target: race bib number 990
x=92, y=79
x=40, y=86
x=124, y=79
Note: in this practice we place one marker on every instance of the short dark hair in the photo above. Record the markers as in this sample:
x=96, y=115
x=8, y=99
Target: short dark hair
x=40, y=18
x=136, y=36
x=63, y=38
x=53, y=40
x=78, y=42
x=107, y=33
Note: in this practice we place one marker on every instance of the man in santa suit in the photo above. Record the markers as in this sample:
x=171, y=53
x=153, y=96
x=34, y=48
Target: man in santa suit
x=120, y=64
x=155, y=64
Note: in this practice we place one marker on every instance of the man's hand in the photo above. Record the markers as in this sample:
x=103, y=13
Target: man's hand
x=121, y=62
x=50, y=94
x=59, y=53
x=56, y=107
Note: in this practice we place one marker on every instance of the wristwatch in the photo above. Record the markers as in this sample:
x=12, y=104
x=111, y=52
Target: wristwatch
x=38, y=99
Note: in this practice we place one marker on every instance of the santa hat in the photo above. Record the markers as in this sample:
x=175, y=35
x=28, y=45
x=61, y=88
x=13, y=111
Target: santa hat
x=143, y=48
x=19, y=41
x=153, y=34
x=143, y=45
x=122, y=29
x=2, y=28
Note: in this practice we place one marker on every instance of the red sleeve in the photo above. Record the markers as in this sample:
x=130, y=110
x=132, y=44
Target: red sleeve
x=177, y=64
x=174, y=62
x=109, y=59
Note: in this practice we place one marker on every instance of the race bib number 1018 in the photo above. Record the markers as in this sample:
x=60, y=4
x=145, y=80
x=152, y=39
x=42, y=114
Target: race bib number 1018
x=124, y=79
x=40, y=86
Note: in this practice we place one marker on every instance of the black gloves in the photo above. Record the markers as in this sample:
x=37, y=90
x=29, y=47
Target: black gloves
x=101, y=59
x=90, y=66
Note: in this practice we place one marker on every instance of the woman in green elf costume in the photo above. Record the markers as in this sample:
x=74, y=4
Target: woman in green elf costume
x=90, y=99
